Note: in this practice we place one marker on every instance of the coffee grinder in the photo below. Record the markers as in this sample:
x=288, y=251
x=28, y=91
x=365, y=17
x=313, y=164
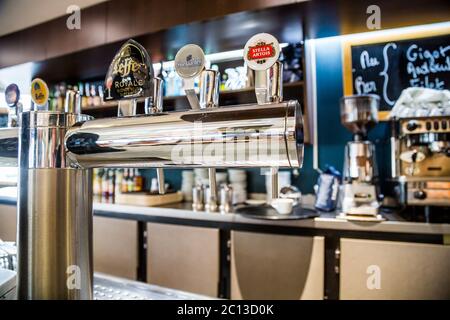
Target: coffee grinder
x=359, y=113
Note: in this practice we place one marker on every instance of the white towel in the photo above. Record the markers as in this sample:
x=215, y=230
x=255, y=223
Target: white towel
x=421, y=102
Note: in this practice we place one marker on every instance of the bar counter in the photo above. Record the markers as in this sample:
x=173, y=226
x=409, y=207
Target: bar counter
x=182, y=213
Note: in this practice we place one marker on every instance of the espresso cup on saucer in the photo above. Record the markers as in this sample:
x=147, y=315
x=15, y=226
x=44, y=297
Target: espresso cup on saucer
x=283, y=205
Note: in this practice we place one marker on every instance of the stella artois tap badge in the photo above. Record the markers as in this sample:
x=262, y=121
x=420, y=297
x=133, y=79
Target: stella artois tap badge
x=130, y=74
x=261, y=51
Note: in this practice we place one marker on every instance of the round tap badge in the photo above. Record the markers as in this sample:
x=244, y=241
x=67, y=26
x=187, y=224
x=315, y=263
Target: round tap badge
x=189, y=61
x=39, y=92
x=12, y=94
x=261, y=51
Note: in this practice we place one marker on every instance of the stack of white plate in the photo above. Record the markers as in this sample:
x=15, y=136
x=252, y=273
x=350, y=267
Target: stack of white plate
x=201, y=176
x=238, y=181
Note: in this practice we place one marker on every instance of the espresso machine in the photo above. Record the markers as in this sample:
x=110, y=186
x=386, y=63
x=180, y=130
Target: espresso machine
x=421, y=160
x=57, y=150
x=359, y=113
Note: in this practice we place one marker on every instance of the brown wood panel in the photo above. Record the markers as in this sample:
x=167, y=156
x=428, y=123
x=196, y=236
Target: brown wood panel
x=183, y=258
x=119, y=20
x=115, y=247
x=155, y=15
x=207, y=9
x=8, y=222
x=59, y=40
x=268, y=266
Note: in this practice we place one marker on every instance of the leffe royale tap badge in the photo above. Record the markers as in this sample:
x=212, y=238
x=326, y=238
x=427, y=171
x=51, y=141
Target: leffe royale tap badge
x=12, y=95
x=189, y=61
x=39, y=92
x=261, y=51
x=130, y=73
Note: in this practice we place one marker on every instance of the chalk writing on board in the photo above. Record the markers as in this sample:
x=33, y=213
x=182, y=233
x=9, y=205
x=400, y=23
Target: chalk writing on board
x=422, y=62
x=385, y=74
x=386, y=68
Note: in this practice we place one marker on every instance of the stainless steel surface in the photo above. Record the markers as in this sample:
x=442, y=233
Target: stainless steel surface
x=14, y=112
x=239, y=136
x=209, y=89
x=422, y=162
x=7, y=284
x=274, y=183
x=161, y=181
x=55, y=234
x=275, y=82
x=9, y=146
x=198, y=198
x=226, y=198
x=269, y=84
x=212, y=199
x=127, y=108
x=42, y=138
x=154, y=103
x=359, y=113
x=112, y=288
x=360, y=164
x=72, y=103
x=54, y=212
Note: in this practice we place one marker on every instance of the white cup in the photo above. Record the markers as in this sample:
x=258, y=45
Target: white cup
x=283, y=206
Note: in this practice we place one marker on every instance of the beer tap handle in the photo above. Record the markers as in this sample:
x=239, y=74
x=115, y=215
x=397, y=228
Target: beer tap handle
x=261, y=55
x=72, y=103
x=154, y=103
x=12, y=96
x=189, y=63
x=127, y=108
x=212, y=197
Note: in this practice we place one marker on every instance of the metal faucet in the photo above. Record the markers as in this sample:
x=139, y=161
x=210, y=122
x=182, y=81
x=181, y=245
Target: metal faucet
x=57, y=150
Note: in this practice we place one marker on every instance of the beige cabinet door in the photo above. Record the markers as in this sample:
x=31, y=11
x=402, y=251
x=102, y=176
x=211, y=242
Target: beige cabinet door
x=394, y=270
x=183, y=258
x=8, y=222
x=115, y=247
x=265, y=266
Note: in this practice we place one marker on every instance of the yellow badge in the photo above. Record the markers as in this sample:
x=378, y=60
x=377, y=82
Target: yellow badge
x=39, y=92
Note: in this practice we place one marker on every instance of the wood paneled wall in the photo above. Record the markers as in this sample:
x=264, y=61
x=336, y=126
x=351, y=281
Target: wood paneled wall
x=112, y=21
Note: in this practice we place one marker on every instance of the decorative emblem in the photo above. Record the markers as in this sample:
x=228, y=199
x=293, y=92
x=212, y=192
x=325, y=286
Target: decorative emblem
x=130, y=74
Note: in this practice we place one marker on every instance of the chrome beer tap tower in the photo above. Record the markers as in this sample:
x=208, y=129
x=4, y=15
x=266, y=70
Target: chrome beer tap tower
x=56, y=151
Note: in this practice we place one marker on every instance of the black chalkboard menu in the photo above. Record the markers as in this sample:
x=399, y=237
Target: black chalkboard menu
x=386, y=68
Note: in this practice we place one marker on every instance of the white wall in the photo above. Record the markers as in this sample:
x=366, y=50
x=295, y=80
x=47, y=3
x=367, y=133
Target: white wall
x=16, y=15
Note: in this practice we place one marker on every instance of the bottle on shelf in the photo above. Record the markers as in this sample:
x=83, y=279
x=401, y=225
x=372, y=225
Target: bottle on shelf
x=110, y=179
x=124, y=184
x=138, y=181
x=87, y=91
x=130, y=180
x=95, y=97
x=118, y=182
x=105, y=186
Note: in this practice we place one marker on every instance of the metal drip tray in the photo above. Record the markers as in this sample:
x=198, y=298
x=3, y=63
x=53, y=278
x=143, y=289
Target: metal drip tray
x=112, y=288
x=268, y=213
x=109, y=288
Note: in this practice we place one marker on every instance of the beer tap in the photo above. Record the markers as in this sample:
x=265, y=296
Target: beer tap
x=154, y=105
x=261, y=54
x=190, y=63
